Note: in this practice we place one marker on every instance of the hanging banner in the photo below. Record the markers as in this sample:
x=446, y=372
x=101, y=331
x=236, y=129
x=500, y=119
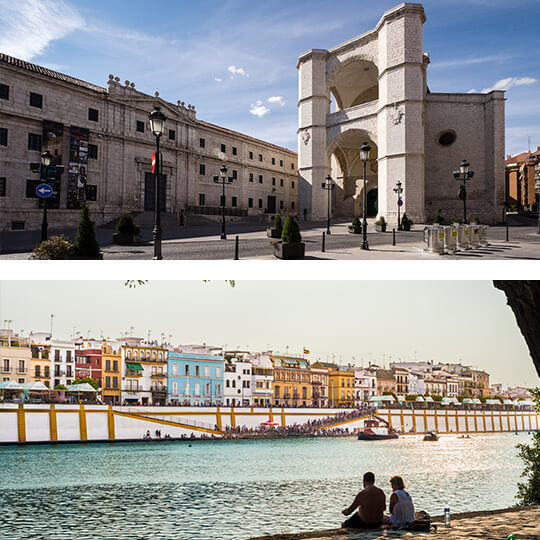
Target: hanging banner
x=52, y=140
x=78, y=163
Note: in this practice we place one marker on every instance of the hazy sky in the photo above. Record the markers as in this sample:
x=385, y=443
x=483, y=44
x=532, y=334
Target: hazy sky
x=381, y=321
x=235, y=60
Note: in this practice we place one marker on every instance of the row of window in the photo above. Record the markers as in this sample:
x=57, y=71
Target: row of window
x=196, y=371
x=232, y=384
x=292, y=376
x=207, y=388
x=202, y=144
x=35, y=143
x=108, y=385
x=287, y=394
x=6, y=367
x=234, y=202
x=143, y=355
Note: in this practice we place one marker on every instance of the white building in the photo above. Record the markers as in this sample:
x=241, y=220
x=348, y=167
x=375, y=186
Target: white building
x=262, y=379
x=61, y=356
x=417, y=382
x=237, y=389
x=365, y=386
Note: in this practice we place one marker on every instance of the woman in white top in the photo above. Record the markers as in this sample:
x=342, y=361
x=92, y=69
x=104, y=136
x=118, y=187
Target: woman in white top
x=401, y=506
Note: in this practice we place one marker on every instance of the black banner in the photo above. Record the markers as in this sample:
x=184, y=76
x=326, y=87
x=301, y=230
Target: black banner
x=53, y=139
x=78, y=164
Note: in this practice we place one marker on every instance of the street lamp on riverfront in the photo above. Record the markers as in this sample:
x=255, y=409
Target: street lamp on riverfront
x=399, y=190
x=463, y=175
x=157, y=127
x=224, y=180
x=365, y=149
x=46, y=160
x=329, y=185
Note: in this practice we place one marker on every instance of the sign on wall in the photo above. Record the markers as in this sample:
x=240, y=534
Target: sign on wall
x=52, y=140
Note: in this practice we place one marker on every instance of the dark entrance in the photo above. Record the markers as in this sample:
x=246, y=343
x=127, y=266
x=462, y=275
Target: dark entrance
x=271, y=205
x=372, y=202
x=150, y=192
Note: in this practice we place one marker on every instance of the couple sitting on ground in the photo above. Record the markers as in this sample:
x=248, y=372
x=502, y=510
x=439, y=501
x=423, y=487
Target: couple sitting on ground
x=370, y=504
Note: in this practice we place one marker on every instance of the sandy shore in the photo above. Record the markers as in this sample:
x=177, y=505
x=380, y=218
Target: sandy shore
x=524, y=522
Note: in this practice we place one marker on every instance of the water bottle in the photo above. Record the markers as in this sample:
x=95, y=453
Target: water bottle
x=447, y=517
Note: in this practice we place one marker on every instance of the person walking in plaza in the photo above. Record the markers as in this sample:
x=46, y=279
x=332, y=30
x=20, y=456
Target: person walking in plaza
x=370, y=504
x=401, y=506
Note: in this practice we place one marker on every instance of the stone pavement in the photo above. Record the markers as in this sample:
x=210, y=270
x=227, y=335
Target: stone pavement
x=203, y=243
x=523, y=522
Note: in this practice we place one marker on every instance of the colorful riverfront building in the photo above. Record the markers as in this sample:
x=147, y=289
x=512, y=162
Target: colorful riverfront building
x=195, y=378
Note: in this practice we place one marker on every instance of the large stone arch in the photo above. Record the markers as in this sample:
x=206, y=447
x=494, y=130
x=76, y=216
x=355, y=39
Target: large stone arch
x=378, y=82
x=346, y=168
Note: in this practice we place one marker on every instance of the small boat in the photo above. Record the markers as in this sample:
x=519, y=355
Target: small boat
x=376, y=429
x=431, y=436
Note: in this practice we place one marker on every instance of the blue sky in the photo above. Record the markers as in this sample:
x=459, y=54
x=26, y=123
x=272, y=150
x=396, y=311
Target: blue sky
x=230, y=58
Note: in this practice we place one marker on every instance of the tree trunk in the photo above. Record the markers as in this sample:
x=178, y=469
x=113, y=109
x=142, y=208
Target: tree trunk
x=524, y=299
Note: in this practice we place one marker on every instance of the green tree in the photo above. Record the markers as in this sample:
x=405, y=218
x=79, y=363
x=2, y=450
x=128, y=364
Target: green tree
x=60, y=387
x=85, y=245
x=291, y=231
x=55, y=248
x=438, y=217
x=436, y=397
x=278, y=223
x=529, y=490
x=125, y=225
x=88, y=380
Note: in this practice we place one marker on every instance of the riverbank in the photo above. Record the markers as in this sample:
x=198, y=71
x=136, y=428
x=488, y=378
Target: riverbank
x=524, y=522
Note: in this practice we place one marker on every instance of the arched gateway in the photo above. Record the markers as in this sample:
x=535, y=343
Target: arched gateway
x=378, y=83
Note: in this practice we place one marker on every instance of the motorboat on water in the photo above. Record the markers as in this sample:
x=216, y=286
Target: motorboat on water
x=431, y=436
x=376, y=429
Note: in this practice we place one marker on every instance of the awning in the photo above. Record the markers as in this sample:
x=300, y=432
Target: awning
x=84, y=387
x=419, y=398
x=35, y=386
x=493, y=402
x=134, y=366
x=10, y=385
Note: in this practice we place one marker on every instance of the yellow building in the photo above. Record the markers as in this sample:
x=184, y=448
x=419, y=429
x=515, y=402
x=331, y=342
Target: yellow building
x=111, y=374
x=15, y=358
x=292, y=386
x=340, y=385
x=40, y=365
x=319, y=385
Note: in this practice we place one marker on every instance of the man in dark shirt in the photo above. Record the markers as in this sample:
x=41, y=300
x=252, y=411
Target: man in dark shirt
x=371, y=504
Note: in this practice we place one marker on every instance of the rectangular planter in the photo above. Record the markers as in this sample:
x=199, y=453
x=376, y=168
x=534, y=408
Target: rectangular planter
x=122, y=238
x=380, y=228
x=290, y=251
x=273, y=233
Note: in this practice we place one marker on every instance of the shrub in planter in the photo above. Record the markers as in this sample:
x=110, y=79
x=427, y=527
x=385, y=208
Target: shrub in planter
x=406, y=223
x=126, y=230
x=439, y=220
x=277, y=229
x=380, y=224
x=85, y=245
x=356, y=226
x=475, y=220
x=56, y=248
x=458, y=221
x=291, y=245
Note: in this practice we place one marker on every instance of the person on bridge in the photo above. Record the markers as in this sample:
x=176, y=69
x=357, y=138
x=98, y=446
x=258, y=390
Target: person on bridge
x=371, y=504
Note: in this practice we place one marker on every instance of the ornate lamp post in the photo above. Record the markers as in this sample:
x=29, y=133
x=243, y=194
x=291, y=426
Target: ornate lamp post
x=157, y=126
x=365, y=149
x=329, y=185
x=46, y=160
x=224, y=180
x=463, y=175
x=399, y=190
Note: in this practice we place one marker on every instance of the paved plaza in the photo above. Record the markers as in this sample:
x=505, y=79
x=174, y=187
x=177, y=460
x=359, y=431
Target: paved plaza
x=202, y=242
x=495, y=525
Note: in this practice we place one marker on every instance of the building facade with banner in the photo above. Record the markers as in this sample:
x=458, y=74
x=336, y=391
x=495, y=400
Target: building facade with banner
x=102, y=137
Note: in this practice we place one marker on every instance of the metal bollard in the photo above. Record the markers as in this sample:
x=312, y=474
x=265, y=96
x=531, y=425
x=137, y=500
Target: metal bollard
x=506, y=225
x=393, y=237
x=323, y=242
x=236, y=242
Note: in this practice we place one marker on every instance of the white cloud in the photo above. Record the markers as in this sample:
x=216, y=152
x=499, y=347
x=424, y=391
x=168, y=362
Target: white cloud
x=29, y=26
x=258, y=109
x=278, y=100
x=217, y=79
x=237, y=71
x=510, y=82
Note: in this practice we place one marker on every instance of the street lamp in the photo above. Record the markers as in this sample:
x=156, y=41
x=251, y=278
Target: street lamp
x=224, y=180
x=46, y=160
x=329, y=185
x=463, y=175
x=364, y=156
x=157, y=127
x=399, y=191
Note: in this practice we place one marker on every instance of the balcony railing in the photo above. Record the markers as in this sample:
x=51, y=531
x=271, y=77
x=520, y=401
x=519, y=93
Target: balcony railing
x=133, y=374
x=158, y=375
x=158, y=388
x=22, y=370
x=6, y=370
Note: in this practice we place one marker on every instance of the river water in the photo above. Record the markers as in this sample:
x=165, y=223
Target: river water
x=238, y=489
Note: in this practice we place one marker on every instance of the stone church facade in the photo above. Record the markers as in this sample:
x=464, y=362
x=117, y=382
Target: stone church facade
x=378, y=82
x=102, y=137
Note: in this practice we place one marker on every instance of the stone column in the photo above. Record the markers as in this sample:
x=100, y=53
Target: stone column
x=313, y=107
x=400, y=123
